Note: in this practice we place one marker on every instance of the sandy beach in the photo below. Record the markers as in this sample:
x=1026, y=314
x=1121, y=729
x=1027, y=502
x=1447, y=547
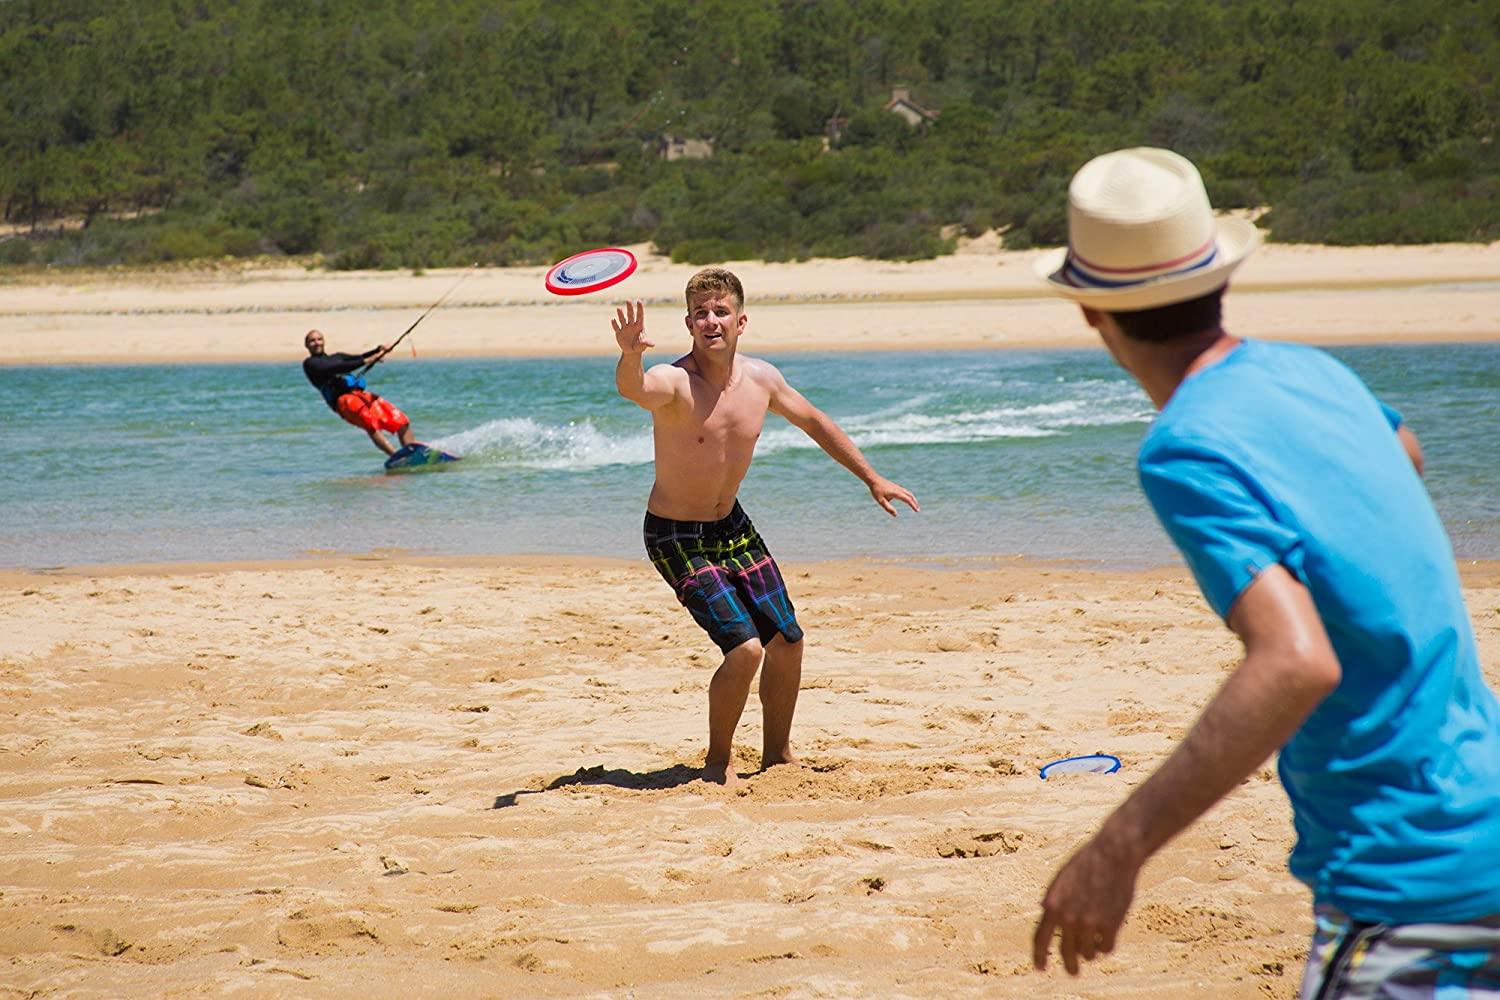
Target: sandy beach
x=383, y=775
x=981, y=297
x=475, y=778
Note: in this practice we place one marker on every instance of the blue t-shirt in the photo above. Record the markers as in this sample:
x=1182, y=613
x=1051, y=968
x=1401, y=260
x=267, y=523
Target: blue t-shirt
x=1280, y=454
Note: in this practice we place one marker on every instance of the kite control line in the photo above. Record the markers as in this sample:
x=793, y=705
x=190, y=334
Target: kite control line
x=419, y=319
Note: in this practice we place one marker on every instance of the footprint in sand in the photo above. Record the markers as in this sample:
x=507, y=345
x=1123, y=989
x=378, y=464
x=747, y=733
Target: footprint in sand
x=1193, y=923
x=978, y=845
x=314, y=934
x=105, y=940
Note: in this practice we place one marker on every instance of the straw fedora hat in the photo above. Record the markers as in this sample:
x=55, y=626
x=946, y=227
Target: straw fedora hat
x=1141, y=234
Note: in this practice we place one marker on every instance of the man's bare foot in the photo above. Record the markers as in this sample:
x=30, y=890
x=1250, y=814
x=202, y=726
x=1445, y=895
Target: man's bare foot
x=769, y=760
x=720, y=774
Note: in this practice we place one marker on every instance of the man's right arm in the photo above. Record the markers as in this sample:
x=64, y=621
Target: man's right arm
x=649, y=390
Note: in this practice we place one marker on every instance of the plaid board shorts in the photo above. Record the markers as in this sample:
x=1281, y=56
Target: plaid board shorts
x=1351, y=960
x=724, y=576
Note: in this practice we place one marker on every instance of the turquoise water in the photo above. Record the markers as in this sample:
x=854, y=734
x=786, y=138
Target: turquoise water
x=1010, y=453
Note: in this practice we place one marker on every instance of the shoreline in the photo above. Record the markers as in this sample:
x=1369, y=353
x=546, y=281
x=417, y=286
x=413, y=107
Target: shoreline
x=1483, y=572
x=561, y=353
x=979, y=298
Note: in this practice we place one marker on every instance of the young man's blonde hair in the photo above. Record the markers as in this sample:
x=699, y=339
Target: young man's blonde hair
x=716, y=280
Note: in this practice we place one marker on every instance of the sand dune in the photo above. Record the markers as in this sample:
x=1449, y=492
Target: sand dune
x=981, y=298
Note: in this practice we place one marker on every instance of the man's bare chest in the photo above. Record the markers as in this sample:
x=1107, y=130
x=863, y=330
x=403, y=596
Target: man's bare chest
x=735, y=415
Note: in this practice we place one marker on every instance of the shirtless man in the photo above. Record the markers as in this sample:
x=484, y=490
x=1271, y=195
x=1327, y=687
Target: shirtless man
x=707, y=409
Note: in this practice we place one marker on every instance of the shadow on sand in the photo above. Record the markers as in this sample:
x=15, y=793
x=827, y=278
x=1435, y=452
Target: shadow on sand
x=668, y=777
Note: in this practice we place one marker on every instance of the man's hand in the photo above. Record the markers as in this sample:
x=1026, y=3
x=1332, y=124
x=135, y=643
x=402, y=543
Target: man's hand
x=884, y=491
x=1086, y=902
x=629, y=325
x=649, y=390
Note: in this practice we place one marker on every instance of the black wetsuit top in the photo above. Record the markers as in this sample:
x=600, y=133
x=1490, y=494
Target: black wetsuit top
x=324, y=371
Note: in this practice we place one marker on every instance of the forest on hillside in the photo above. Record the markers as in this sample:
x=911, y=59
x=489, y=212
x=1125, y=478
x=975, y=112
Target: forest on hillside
x=425, y=133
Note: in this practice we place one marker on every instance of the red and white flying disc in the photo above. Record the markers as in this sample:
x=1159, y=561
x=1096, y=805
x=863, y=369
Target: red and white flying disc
x=590, y=271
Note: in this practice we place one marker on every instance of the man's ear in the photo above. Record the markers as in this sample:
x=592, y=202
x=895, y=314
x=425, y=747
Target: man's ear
x=1093, y=317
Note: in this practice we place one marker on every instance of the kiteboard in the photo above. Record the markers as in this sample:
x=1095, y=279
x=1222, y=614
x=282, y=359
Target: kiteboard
x=414, y=457
x=590, y=271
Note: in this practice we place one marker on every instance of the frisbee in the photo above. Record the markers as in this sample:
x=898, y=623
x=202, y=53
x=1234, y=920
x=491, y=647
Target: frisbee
x=1094, y=763
x=590, y=271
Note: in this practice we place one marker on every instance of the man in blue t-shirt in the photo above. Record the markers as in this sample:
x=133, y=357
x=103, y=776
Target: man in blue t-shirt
x=1296, y=499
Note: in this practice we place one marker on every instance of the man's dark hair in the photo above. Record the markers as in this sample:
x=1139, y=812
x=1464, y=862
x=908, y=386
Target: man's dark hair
x=1176, y=320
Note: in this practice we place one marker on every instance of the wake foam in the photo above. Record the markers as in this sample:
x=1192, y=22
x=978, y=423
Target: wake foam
x=523, y=443
x=927, y=418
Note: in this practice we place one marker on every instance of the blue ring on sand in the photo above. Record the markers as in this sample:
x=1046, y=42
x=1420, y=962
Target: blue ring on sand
x=1090, y=763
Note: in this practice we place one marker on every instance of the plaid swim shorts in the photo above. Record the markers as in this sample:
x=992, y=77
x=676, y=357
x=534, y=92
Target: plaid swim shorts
x=725, y=577
x=1351, y=960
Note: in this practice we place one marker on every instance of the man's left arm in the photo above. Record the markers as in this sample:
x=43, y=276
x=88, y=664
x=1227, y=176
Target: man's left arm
x=828, y=435
x=1412, y=446
x=1404, y=434
x=1288, y=669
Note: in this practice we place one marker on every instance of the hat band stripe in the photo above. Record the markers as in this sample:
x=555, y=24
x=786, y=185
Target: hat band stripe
x=1081, y=274
x=1176, y=263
